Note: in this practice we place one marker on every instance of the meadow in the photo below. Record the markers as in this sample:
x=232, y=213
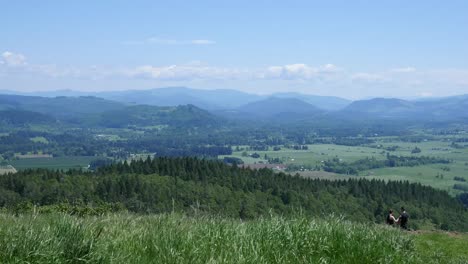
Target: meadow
x=175, y=238
x=436, y=175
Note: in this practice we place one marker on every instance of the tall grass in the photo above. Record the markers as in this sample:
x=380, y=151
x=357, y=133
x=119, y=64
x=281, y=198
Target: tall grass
x=124, y=238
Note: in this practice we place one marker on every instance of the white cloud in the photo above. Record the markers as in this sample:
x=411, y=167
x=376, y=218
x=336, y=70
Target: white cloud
x=291, y=71
x=298, y=71
x=425, y=94
x=169, y=41
x=184, y=72
x=367, y=77
x=403, y=70
x=16, y=64
x=13, y=59
x=202, y=42
x=326, y=78
x=329, y=68
x=163, y=41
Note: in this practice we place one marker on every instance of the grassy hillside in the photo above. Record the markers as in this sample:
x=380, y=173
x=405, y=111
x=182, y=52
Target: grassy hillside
x=219, y=189
x=173, y=238
x=442, y=247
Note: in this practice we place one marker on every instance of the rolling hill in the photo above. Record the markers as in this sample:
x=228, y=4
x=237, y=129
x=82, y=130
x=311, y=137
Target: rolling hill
x=174, y=96
x=218, y=99
x=380, y=107
x=16, y=117
x=93, y=111
x=330, y=103
x=441, y=109
x=59, y=107
x=147, y=115
x=275, y=109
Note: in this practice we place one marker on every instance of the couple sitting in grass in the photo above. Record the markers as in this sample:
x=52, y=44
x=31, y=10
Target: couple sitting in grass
x=402, y=220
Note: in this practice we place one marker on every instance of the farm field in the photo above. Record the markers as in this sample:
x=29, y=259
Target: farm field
x=32, y=156
x=324, y=175
x=314, y=155
x=175, y=238
x=432, y=175
x=437, y=175
x=55, y=163
x=39, y=140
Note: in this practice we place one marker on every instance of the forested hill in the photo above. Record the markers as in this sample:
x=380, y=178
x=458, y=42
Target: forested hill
x=59, y=107
x=438, y=109
x=146, y=115
x=97, y=112
x=21, y=117
x=188, y=184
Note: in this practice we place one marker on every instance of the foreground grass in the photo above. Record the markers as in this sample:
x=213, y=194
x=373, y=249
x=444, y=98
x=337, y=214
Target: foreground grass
x=175, y=238
x=441, y=246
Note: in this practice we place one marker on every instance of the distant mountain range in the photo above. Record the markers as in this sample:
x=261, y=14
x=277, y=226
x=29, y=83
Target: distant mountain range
x=329, y=103
x=440, y=109
x=280, y=109
x=60, y=107
x=94, y=111
x=237, y=105
x=220, y=99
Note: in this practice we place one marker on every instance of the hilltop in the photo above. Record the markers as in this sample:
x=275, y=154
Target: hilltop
x=94, y=111
x=274, y=109
x=437, y=109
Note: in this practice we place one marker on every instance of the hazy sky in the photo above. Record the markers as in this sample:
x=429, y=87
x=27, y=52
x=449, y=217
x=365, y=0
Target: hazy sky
x=352, y=49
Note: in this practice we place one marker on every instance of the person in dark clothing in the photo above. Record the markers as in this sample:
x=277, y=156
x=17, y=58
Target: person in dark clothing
x=403, y=219
x=391, y=218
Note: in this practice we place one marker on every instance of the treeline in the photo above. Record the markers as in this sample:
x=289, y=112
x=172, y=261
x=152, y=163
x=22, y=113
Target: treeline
x=353, y=168
x=345, y=141
x=64, y=144
x=190, y=184
x=82, y=143
x=461, y=187
x=463, y=197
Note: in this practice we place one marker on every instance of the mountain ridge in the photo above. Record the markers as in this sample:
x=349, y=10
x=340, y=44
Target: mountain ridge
x=216, y=99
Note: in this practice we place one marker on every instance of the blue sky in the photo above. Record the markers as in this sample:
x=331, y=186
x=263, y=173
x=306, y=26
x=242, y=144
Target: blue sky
x=353, y=49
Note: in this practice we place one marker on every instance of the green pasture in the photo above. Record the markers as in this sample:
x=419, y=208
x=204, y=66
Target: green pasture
x=109, y=137
x=39, y=140
x=432, y=175
x=314, y=155
x=436, y=175
x=428, y=148
x=442, y=246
